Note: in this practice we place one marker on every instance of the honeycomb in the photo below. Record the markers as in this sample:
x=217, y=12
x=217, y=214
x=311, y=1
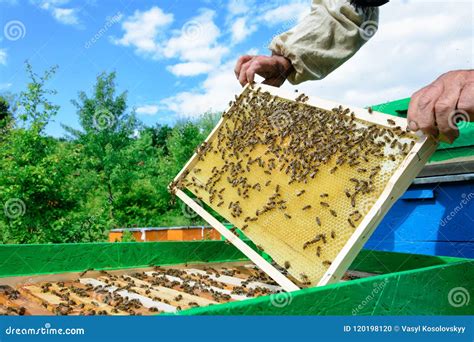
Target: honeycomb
x=296, y=179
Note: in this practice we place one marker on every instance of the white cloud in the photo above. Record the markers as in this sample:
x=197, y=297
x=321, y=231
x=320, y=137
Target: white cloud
x=66, y=16
x=195, y=45
x=197, y=41
x=214, y=94
x=236, y=7
x=147, y=109
x=49, y=4
x=3, y=57
x=241, y=29
x=143, y=29
x=190, y=68
x=293, y=11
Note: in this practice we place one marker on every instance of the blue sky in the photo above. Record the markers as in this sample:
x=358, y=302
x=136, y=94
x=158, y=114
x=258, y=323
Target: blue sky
x=176, y=58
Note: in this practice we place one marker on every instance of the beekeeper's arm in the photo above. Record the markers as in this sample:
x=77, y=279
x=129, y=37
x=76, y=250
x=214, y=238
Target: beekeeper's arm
x=323, y=40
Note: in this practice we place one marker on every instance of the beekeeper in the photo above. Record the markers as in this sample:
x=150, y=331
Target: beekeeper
x=331, y=34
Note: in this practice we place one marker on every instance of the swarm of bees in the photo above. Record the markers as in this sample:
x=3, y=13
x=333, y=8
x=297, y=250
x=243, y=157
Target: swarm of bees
x=270, y=152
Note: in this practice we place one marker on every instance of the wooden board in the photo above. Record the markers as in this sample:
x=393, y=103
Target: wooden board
x=280, y=170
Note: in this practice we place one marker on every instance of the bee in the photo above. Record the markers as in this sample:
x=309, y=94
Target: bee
x=287, y=265
x=318, y=221
x=333, y=212
x=351, y=223
x=220, y=203
x=348, y=194
x=299, y=193
x=277, y=188
x=391, y=122
x=267, y=172
x=353, y=201
x=324, y=204
x=307, y=207
x=333, y=169
x=305, y=279
x=245, y=226
x=318, y=251
x=370, y=110
x=268, y=183
x=327, y=263
x=287, y=216
x=333, y=234
x=324, y=195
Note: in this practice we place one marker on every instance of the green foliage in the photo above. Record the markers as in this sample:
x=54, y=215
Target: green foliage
x=6, y=117
x=127, y=236
x=111, y=173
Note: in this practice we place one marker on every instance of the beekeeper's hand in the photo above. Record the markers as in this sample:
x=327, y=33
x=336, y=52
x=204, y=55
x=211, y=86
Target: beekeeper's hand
x=440, y=108
x=274, y=69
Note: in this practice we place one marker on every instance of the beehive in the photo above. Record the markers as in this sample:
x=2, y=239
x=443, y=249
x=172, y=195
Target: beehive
x=139, y=291
x=303, y=179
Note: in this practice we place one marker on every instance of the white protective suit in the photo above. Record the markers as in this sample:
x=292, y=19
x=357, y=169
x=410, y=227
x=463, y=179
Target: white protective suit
x=331, y=34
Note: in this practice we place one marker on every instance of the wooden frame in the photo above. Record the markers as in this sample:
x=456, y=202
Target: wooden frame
x=398, y=183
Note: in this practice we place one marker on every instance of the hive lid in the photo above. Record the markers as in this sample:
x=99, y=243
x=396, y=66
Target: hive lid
x=306, y=180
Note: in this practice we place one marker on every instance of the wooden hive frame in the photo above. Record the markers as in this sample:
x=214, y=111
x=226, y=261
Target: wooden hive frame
x=396, y=186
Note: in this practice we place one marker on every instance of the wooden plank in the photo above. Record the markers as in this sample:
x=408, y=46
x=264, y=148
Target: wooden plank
x=49, y=298
x=49, y=301
x=90, y=304
x=208, y=287
x=145, y=301
x=233, y=280
x=167, y=293
x=256, y=258
x=20, y=303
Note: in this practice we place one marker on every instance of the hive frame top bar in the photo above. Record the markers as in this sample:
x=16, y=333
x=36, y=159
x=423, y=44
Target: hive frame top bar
x=397, y=184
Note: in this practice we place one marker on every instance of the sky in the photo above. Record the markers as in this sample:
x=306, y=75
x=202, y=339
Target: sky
x=176, y=58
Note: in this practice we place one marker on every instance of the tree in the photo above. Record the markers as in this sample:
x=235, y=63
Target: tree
x=6, y=117
x=36, y=198
x=107, y=128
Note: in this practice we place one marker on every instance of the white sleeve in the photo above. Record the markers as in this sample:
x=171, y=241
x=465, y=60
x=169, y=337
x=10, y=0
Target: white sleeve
x=331, y=34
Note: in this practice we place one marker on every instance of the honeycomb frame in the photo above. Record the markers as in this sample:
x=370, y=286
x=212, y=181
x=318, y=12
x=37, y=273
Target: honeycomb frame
x=343, y=249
